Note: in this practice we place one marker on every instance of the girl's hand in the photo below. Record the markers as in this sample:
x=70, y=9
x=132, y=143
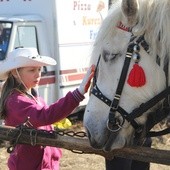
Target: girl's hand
x=84, y=86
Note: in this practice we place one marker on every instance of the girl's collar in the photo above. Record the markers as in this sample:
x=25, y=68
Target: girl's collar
x=28, y=94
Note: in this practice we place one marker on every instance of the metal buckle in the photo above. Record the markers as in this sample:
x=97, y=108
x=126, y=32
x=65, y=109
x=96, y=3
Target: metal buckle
x=115, y=126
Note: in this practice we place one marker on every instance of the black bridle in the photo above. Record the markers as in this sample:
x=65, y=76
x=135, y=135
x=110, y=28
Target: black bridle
x=115, y=124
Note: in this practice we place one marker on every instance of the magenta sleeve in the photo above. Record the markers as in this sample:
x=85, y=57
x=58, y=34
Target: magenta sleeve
x=19, y=107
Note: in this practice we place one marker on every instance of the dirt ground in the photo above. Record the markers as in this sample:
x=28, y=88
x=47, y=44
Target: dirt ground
x=76, y=161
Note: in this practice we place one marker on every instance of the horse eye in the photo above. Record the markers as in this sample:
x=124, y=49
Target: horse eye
x=113, y=56
x=107, y=56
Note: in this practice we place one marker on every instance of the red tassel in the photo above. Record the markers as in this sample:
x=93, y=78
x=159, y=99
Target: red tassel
x=136, y=76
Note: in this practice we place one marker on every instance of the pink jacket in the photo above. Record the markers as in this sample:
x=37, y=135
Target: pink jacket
x=19, y=107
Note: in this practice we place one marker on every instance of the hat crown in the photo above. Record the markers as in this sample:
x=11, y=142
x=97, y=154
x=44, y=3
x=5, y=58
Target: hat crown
x=31, y=53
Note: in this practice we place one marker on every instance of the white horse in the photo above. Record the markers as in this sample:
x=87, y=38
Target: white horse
x=137, y=29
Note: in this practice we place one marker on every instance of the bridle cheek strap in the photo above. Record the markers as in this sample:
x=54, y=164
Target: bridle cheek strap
x=112, y=122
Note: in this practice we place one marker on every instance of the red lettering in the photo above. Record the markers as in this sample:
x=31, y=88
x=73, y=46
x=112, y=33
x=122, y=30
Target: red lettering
x=79, y=6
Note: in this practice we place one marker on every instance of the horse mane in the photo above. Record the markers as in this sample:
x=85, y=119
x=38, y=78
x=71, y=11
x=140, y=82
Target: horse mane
x=153, y=21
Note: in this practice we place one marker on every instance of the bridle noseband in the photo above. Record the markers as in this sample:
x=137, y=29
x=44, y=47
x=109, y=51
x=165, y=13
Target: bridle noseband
x=114, y=124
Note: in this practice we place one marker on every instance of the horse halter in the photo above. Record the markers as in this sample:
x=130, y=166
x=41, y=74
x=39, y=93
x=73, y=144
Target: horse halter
x=115, y=124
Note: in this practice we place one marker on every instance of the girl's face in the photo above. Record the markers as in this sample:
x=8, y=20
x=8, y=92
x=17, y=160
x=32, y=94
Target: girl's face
x=30, y=76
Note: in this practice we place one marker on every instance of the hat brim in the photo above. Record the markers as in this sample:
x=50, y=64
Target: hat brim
x=7, y=65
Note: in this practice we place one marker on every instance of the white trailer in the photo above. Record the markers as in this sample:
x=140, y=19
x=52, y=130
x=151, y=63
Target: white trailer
x=62, y=29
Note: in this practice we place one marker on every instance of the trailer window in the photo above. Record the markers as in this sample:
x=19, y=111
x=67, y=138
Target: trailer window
x=26, y=37
x=5, y=32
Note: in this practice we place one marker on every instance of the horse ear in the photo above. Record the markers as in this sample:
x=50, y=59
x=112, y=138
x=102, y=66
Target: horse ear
x=130, y=11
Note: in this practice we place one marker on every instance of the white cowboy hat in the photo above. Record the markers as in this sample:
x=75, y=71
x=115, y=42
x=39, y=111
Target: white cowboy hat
x=23, y=57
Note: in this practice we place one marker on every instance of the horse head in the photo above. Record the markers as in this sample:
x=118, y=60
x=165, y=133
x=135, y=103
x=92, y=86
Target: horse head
x=130, y=54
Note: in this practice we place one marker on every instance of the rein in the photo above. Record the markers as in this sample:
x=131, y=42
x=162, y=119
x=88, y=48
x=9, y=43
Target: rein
x=115, y=124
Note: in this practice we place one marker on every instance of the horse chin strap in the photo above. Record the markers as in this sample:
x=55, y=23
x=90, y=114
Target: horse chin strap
x=114, y=124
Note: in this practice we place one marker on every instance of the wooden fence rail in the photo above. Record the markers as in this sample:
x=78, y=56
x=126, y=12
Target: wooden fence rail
x=28, y=136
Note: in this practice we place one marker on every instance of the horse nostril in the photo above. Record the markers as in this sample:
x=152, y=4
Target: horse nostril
x=92, y=141
x=88, y=133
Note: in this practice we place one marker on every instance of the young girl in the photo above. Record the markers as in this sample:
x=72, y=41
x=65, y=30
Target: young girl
x=19, y=100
